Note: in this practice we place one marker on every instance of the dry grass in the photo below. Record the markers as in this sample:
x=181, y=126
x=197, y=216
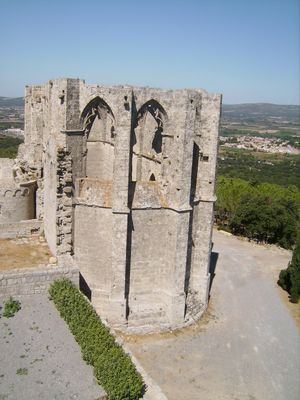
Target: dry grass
x=23, y=253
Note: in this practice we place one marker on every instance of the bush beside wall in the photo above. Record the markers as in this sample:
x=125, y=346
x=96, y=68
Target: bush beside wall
x=289, y=279
x=113, y=368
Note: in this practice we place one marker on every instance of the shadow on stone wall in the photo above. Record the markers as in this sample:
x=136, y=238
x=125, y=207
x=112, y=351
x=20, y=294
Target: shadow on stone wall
x=84, y=287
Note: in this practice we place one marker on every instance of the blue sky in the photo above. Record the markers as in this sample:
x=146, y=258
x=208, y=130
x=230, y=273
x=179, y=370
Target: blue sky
x=247, y=50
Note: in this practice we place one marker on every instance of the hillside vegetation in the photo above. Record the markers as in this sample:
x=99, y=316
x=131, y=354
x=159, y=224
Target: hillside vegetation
x=11, y=101
x=259, y=167
x=261, y=112
x=9, y=146
x=263, y=212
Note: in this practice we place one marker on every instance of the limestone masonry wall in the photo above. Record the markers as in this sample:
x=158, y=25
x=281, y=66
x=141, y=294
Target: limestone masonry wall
x=34, y=280
x=125, y=185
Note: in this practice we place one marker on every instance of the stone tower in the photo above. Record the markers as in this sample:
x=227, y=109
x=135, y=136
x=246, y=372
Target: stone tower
x=126, y=187
x=16, y=196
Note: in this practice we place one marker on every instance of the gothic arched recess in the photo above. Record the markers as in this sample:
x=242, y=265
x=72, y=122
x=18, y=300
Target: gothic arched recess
x=98, y=123
x=149, y=126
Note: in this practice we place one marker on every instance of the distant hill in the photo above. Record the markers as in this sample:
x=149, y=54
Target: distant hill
x=11, y=101
x=256, y=112
x=251, y=112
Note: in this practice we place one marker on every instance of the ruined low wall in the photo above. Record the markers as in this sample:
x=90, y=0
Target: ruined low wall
x=17, y=202
x=11, y=230
x=34, y=280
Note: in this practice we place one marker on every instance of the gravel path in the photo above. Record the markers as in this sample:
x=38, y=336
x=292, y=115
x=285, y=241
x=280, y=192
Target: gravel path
x=247, y=346
x=39, y=358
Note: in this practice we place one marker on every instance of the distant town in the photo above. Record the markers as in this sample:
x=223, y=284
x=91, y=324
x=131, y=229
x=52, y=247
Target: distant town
x=12, y=117
x=267, y=144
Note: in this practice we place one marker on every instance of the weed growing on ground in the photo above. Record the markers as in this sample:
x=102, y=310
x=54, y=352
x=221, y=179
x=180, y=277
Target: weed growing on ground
x=22, y=371
x=11, y=307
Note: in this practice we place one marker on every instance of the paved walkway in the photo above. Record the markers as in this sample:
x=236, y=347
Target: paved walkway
x=247, y=346
x=39, y=358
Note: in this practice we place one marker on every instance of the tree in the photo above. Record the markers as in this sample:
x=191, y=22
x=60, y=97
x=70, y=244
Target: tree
x=230, y=194
x=266, y=220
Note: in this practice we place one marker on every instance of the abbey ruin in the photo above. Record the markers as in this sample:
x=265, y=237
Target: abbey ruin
x=122, y=180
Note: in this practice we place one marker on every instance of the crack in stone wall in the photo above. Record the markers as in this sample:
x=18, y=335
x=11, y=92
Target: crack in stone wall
x=64, y=202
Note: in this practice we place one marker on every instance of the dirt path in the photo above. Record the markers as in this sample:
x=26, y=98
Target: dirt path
x=247, y=346
x=274, y=258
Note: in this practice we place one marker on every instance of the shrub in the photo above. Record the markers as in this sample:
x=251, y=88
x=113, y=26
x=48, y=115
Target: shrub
x=289, y=279
x=113, y=368
x=11, y=307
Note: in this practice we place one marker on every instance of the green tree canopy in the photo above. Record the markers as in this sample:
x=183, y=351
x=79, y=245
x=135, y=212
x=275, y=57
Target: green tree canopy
x=264, y=212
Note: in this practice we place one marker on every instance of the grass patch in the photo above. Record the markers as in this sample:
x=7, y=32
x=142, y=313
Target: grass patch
x=22, y=371
x=11, y=307
x=113, y=368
